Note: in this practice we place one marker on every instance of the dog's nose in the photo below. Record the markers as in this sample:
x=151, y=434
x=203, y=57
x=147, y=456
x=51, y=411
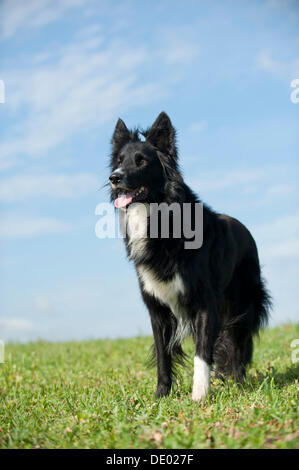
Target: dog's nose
x=115, y=178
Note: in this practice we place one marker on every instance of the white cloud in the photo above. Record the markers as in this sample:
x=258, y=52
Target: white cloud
x=17, y=14
x=15, y=328
x=278, y=246
x=277, y=68
x=280, y=4
x=90, y=30
x=278, y=238
x=20, y=226
x=278, y=191
x=16, y=324
x=198, y=126
x=55, y=312
x=218, y=180
x=23, y=187
x=177, y=48
x=82, y=87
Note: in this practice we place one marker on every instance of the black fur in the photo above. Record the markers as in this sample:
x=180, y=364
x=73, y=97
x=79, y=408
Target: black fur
x=225, y=297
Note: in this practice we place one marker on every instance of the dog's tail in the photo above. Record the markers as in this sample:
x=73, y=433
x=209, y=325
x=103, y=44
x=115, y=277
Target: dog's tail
x=261, y=305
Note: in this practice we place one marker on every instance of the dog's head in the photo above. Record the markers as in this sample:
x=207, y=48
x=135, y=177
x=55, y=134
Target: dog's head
x=142, y=169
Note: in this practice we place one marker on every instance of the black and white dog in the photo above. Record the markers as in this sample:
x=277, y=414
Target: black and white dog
x=214, y=292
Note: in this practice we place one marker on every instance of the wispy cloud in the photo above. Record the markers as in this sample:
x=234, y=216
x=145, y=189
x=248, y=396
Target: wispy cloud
x=278, y=246
x=17, y=14
x=278, y=68
x=54, y=312
x=177, y=47
x=220, y=179
x=82, y=87
x=198, y=126
x=20, y=328
x=19, y=226
x=279, y=191
x=20, y=188
x=279, y=238
x=16, y=324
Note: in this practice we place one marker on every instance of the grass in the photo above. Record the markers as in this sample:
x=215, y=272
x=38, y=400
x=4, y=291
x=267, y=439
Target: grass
x=99, y=394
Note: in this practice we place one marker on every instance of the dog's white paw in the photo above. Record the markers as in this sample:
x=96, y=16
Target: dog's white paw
x=199, y=393
x=201, y=379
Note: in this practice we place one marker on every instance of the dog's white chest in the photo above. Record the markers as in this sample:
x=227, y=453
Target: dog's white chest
x=136, y=219
x=167, y=292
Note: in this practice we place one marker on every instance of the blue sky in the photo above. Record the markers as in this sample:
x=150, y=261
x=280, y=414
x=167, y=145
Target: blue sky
x=222, y=71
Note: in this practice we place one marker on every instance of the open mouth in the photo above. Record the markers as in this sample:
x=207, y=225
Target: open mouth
x=126, y=197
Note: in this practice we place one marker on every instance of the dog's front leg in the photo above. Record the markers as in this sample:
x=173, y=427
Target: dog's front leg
x=162, y=331
x=205, y=334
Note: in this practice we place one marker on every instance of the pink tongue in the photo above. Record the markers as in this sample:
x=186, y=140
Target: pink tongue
x=123, y=200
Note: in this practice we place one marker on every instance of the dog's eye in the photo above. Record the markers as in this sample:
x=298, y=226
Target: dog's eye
x=140, y=160
x=120, y=161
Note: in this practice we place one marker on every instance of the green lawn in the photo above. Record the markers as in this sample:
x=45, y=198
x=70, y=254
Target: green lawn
x=100, y=394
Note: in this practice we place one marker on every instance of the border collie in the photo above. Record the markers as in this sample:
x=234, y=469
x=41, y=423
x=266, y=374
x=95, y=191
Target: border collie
x=215, y=292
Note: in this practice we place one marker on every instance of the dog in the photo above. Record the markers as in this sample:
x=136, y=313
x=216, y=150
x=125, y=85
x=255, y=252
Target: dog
x=214, y=292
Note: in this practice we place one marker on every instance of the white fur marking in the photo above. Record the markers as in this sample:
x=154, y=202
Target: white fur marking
x=136, y=220
x=201, y=379
x=167, y=292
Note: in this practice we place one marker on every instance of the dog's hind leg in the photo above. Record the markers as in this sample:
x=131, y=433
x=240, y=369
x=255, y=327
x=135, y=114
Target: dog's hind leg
x=233, y=351
x=247, y=307
x=241, y=353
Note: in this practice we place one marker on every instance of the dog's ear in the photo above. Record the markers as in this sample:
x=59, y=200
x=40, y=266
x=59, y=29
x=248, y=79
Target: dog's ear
x=162, y=136
x=121, y=136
